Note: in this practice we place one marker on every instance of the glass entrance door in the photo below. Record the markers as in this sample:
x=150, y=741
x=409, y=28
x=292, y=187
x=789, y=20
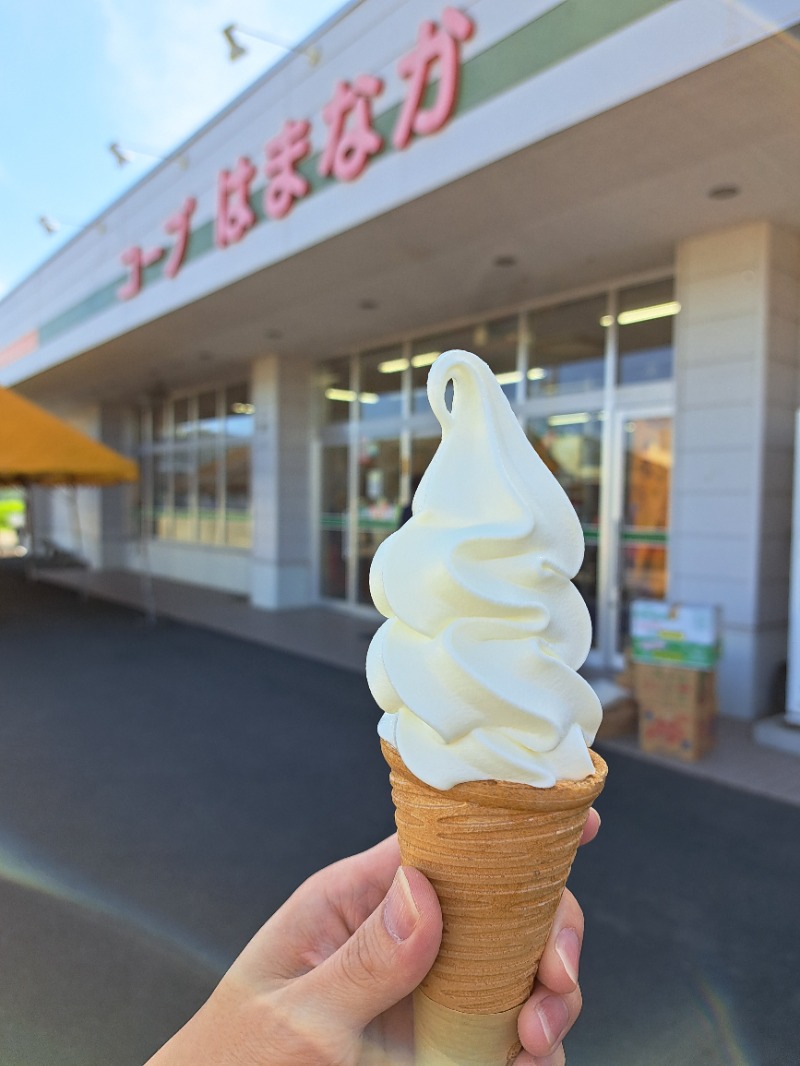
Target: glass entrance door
x=640, y=523
x=378, y=503
x=571, y=445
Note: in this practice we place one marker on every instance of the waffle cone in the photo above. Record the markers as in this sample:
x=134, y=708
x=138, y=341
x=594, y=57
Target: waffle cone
x=498, y=855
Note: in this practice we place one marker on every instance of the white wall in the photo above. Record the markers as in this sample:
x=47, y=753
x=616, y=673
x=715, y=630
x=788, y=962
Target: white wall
x=736, y=389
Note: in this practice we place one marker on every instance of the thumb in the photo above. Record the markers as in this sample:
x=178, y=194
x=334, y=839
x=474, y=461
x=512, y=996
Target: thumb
x=385, y=959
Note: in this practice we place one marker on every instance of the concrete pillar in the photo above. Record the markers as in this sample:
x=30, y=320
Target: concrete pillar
x=736, y=390
x=281, y=560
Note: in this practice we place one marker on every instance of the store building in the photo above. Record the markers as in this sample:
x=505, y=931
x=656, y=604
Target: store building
x=600, y=197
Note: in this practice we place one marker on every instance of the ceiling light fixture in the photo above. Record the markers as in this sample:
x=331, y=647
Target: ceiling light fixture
x=236, y=50
x=393, y=366
x=645, y=314
x=349, y=396
x=425, y=359
x=642, y=314
x=577, y=418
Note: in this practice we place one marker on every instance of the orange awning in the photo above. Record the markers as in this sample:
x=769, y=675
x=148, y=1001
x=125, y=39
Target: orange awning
x=38, y=448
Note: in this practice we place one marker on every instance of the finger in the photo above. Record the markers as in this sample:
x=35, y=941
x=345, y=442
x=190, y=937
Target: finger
x=546, y=1019
x=560, y=962
x=591, y=826
x=383, y=961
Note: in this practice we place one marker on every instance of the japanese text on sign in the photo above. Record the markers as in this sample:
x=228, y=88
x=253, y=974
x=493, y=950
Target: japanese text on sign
x=430, y=69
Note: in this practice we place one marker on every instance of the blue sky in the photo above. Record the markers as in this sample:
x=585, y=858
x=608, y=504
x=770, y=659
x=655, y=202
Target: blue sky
x=77, y=75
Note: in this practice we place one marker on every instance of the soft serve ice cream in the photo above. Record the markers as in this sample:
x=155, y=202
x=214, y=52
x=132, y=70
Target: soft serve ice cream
x=476, y=665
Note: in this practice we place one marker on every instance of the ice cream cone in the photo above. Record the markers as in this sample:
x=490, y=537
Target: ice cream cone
x=498, y=855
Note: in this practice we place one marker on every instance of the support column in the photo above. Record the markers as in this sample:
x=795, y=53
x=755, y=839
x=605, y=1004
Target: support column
x=281, y=477
x=736, y=384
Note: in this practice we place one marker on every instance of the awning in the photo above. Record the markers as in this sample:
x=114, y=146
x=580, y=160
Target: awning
x=38, y=448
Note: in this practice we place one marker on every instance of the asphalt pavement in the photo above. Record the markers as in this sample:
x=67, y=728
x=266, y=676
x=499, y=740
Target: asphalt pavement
x=164, y=788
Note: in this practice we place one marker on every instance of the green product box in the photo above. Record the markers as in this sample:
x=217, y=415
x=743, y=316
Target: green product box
x=664, y=634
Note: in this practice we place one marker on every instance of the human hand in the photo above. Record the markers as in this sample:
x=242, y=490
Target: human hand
x=327, y=980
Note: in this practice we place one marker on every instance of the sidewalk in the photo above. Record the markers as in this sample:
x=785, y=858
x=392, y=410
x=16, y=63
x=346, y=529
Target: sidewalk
x=340, y=638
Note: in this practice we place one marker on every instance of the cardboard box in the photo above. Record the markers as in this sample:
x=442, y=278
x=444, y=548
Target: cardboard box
x=620, y=719
x=677, y=710
x=685, y=635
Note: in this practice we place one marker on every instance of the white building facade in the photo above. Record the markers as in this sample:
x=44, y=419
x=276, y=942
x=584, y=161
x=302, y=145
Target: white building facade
x=599, y=197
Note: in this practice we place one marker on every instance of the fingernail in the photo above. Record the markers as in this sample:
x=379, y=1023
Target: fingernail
x=400, y=914
x=568, y=947
x=553, y=1015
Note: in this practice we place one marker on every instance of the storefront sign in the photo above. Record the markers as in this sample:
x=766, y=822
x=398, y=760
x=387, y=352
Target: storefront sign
x=351, y=141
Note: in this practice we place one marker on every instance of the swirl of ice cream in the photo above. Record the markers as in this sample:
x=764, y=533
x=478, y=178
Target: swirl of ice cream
x=475, y=667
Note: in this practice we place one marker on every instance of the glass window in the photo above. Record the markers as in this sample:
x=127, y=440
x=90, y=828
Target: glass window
x=381, y=383
x=239, y=411
x=209, y=424
x=208, y=480
x=238, y=525
x=422, y=451
x=645, y=320
x=182, y=421
x=333, y=534
x=197, y=473
x=332, y=388
x=182, y=463
x=645, y=514
x=496, y=342
x=141, y=497
x=570, y=446
x=162, y=501
x=423, y=354
x=567, y=348
x=159, y=423
x=378, y=502
x=141, y=427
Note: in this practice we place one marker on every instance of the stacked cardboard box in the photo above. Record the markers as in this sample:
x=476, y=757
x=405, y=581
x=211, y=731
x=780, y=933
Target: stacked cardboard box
x=674, y=651
x=677, y=710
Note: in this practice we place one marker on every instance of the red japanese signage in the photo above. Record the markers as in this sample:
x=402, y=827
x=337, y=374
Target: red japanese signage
x=350, y=143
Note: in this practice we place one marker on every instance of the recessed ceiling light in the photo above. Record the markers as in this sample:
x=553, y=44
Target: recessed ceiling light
x=723, y=192
x=505, y=260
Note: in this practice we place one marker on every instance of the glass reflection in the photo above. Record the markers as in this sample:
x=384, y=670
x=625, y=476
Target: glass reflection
x=567, y=348
x=645, y=324
x=570, y=446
